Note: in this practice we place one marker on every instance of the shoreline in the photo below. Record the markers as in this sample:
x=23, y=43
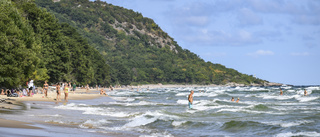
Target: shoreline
x=152, y=86
x=12, y=104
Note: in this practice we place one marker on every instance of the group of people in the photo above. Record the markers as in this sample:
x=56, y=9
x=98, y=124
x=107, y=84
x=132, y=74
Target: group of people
x=66, y=88
x=29, y=90
x=190, y=97
x=305, y=92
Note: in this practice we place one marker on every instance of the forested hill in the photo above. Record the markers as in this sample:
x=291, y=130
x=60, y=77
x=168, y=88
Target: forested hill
x=135, y=47
x=34, y=45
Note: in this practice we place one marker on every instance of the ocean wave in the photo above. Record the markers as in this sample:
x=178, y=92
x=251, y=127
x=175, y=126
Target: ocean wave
x=305, y=98
x=286, y=124
x=96, y=110
x=147, y=118
x=178, y=123
x=94, y=124
x=290, y=134
x=125, y=99
x=239, y=126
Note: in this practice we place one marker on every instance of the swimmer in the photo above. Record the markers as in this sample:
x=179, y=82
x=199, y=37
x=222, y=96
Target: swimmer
x=281, y=92
x=305, y=92
x=232, y=99
x=190, y=98
x=102, y=92
x=238, y=100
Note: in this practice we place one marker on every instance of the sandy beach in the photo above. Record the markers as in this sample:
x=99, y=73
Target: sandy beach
x=14, y=103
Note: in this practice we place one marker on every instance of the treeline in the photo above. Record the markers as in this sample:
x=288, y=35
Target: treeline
x=34, y=45
x=133, y=46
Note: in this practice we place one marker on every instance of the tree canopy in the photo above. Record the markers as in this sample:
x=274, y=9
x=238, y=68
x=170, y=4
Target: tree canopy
x=34, y=45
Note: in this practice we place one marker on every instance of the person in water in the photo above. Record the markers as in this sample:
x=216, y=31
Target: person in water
x=281, y=92
x=232, y=99
x=66, y=91
x=102, y=92
x=190, y=98
x=45, y=88
x=58, y=92
x=238, y=100
x=305, y=92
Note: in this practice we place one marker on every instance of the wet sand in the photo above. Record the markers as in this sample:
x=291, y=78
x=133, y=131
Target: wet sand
x=16, y=124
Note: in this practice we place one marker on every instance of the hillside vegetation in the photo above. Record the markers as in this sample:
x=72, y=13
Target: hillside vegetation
x=35, y=45
x=136, y=48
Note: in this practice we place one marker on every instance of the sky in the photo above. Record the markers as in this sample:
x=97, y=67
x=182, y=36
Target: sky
x=275, y=40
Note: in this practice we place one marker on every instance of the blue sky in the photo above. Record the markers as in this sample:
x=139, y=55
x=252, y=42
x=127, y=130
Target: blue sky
x=276, y=40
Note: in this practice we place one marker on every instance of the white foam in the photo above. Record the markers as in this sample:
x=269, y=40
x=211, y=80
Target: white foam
x=178, y=123
x=163, y=134
x=305, y=98
x=96, y=110
x=148, y=118
x=313, y=88
x=183, y=94
x=93, y=124
x=290, y=134
x=184, y=101
x=288, y=124
x=125, y=99
x=140, y=121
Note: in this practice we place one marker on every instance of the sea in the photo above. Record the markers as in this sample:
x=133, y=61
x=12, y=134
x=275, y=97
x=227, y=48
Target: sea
x=163, y=112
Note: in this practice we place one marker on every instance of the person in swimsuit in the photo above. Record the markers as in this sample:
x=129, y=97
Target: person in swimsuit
x=281, y=92
x=305, y=92
x=45, y=88
x=102, y=92
x=190, y=98
x=58, y=92
x=232, y=99
x=66, y=91
x=238, y=100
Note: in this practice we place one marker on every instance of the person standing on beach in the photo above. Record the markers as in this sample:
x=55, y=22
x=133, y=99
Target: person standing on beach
x=74, y=86
x=30, y=87
x=190, y=98
x=281, y=92
x=66, y=91
x=87, y=87
x=45, y=88
x=58, y=92
x=305, y=92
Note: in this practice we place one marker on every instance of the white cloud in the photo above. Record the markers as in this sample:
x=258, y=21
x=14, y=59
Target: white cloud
x=220, y=38
x=193, y=20
x=300, y=54
x=261, y=53
x=248, y=18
